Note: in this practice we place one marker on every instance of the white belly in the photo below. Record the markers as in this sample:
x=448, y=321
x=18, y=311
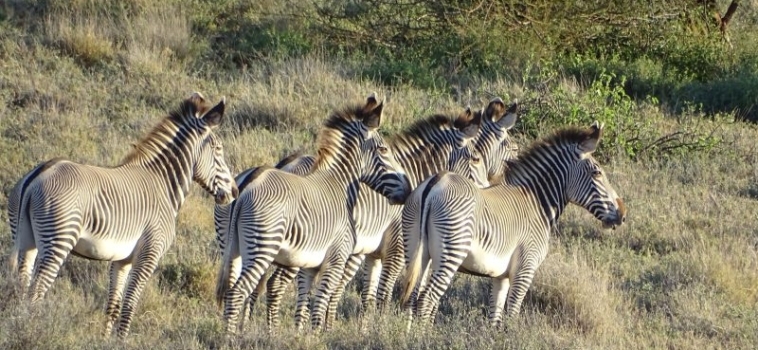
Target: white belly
x=368, y=245
x=101, y=248
x=302, y=259
x=485, y=263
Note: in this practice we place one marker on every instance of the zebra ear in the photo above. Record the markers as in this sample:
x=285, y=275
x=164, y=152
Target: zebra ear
x=468, y=123
x=373, y=112
x=197, y=98
x=214, y=116
x=495, y=109
x=371, y=102
x=511, y=115
x=592, y=140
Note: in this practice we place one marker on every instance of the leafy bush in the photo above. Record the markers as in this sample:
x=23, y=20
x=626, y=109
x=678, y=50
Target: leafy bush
x=550, y=100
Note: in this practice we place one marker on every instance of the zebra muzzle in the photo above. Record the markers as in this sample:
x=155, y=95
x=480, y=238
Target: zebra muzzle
x=619, y=218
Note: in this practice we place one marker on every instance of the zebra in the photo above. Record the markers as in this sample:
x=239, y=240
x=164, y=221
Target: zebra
x=423, y=150
x=493, y=144
x=378, y=223
x=125, y=214
x=502, y=231
x=306, y=221
x=374, y=215
x=296, y=163
x=426, y=147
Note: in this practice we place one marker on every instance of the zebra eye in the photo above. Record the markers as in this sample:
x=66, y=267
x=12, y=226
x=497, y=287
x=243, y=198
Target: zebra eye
x=596, y=173
x=383, y=149
x=476, y=159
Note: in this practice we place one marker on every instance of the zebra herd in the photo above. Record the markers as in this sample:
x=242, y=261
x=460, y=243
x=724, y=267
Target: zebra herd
x=447, y=194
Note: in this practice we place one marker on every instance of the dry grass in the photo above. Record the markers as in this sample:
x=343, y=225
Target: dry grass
x=681, y=273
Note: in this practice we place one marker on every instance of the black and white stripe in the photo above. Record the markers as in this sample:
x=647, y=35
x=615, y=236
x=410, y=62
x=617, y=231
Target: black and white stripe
x=125, y=214
x=502, y=231
x=305, y=221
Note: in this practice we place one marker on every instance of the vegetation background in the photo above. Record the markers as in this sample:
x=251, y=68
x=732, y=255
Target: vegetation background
x=83, y=79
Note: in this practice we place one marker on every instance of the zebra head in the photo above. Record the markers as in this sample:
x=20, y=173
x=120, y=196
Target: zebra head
x=493, y=142
x=211, y=171
x=465, y=160
x=590, y=188
x=380, y=170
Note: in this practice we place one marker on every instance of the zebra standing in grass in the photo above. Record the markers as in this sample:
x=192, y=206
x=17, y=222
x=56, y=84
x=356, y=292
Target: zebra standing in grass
x=502, y=232
x=295, y=163
x=427, y=148
x=424, y=149
x=495, y=146
x=306, y=221
x=125, y=215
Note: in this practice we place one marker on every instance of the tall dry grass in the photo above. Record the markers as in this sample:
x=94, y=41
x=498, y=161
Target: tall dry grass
x=681, y=273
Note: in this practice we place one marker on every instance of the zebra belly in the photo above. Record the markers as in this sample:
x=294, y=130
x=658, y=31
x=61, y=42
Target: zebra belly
x=479, y=261
x=367, y=245
x=103, y=248
x=299, y=258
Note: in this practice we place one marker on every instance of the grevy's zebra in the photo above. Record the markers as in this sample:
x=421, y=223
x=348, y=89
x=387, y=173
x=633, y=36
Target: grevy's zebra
x=126, y=214
x=305, y=221
x=377, y=221
x=427, y=147
x=424, y=149
x=502, y=232
x=494, y=145
x=295, y=163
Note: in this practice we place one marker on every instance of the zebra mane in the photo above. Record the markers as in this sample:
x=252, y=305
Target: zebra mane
x=168, y=127
x=421, y=140
x=288, y=159
x=561, y=137
x=422, y=128
x=331, y=136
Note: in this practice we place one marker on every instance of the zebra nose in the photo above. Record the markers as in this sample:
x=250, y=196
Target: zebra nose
x=235, y=192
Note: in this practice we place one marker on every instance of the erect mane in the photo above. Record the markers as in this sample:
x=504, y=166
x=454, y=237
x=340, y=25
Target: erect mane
x=423, y=127
x=187, y=112
x=332, y=132
x=288, y=159
x=561, y=137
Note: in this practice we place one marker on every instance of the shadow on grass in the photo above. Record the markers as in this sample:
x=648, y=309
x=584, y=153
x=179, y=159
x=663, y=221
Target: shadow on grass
x=733, y=90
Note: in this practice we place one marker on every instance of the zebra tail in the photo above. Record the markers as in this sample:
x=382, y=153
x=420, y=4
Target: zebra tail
x=231, y=253
x=13, y=263
x=414, y=268
x=18, y=209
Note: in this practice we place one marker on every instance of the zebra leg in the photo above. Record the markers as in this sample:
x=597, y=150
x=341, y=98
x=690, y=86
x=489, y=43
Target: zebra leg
x=423, y=282
x=304, y=281
x=520, y=282
x=352, y=266
x=118, y=271
x=372, y=270
x=249, y=307
x=27, y=254
x=55, y=248
x=142, y=269
x=392, y=265
x=258, y=248
x=498, y=293
x=277, y=284
x=441, y=276
x=250, y=276
x=333, y=268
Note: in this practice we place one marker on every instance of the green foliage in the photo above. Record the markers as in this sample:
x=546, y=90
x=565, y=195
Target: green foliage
x=628, y=131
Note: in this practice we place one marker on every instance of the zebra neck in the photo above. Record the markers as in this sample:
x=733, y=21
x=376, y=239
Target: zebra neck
x=548, y=189
x=337, y=174
x=423, y=161
x=172, y=168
